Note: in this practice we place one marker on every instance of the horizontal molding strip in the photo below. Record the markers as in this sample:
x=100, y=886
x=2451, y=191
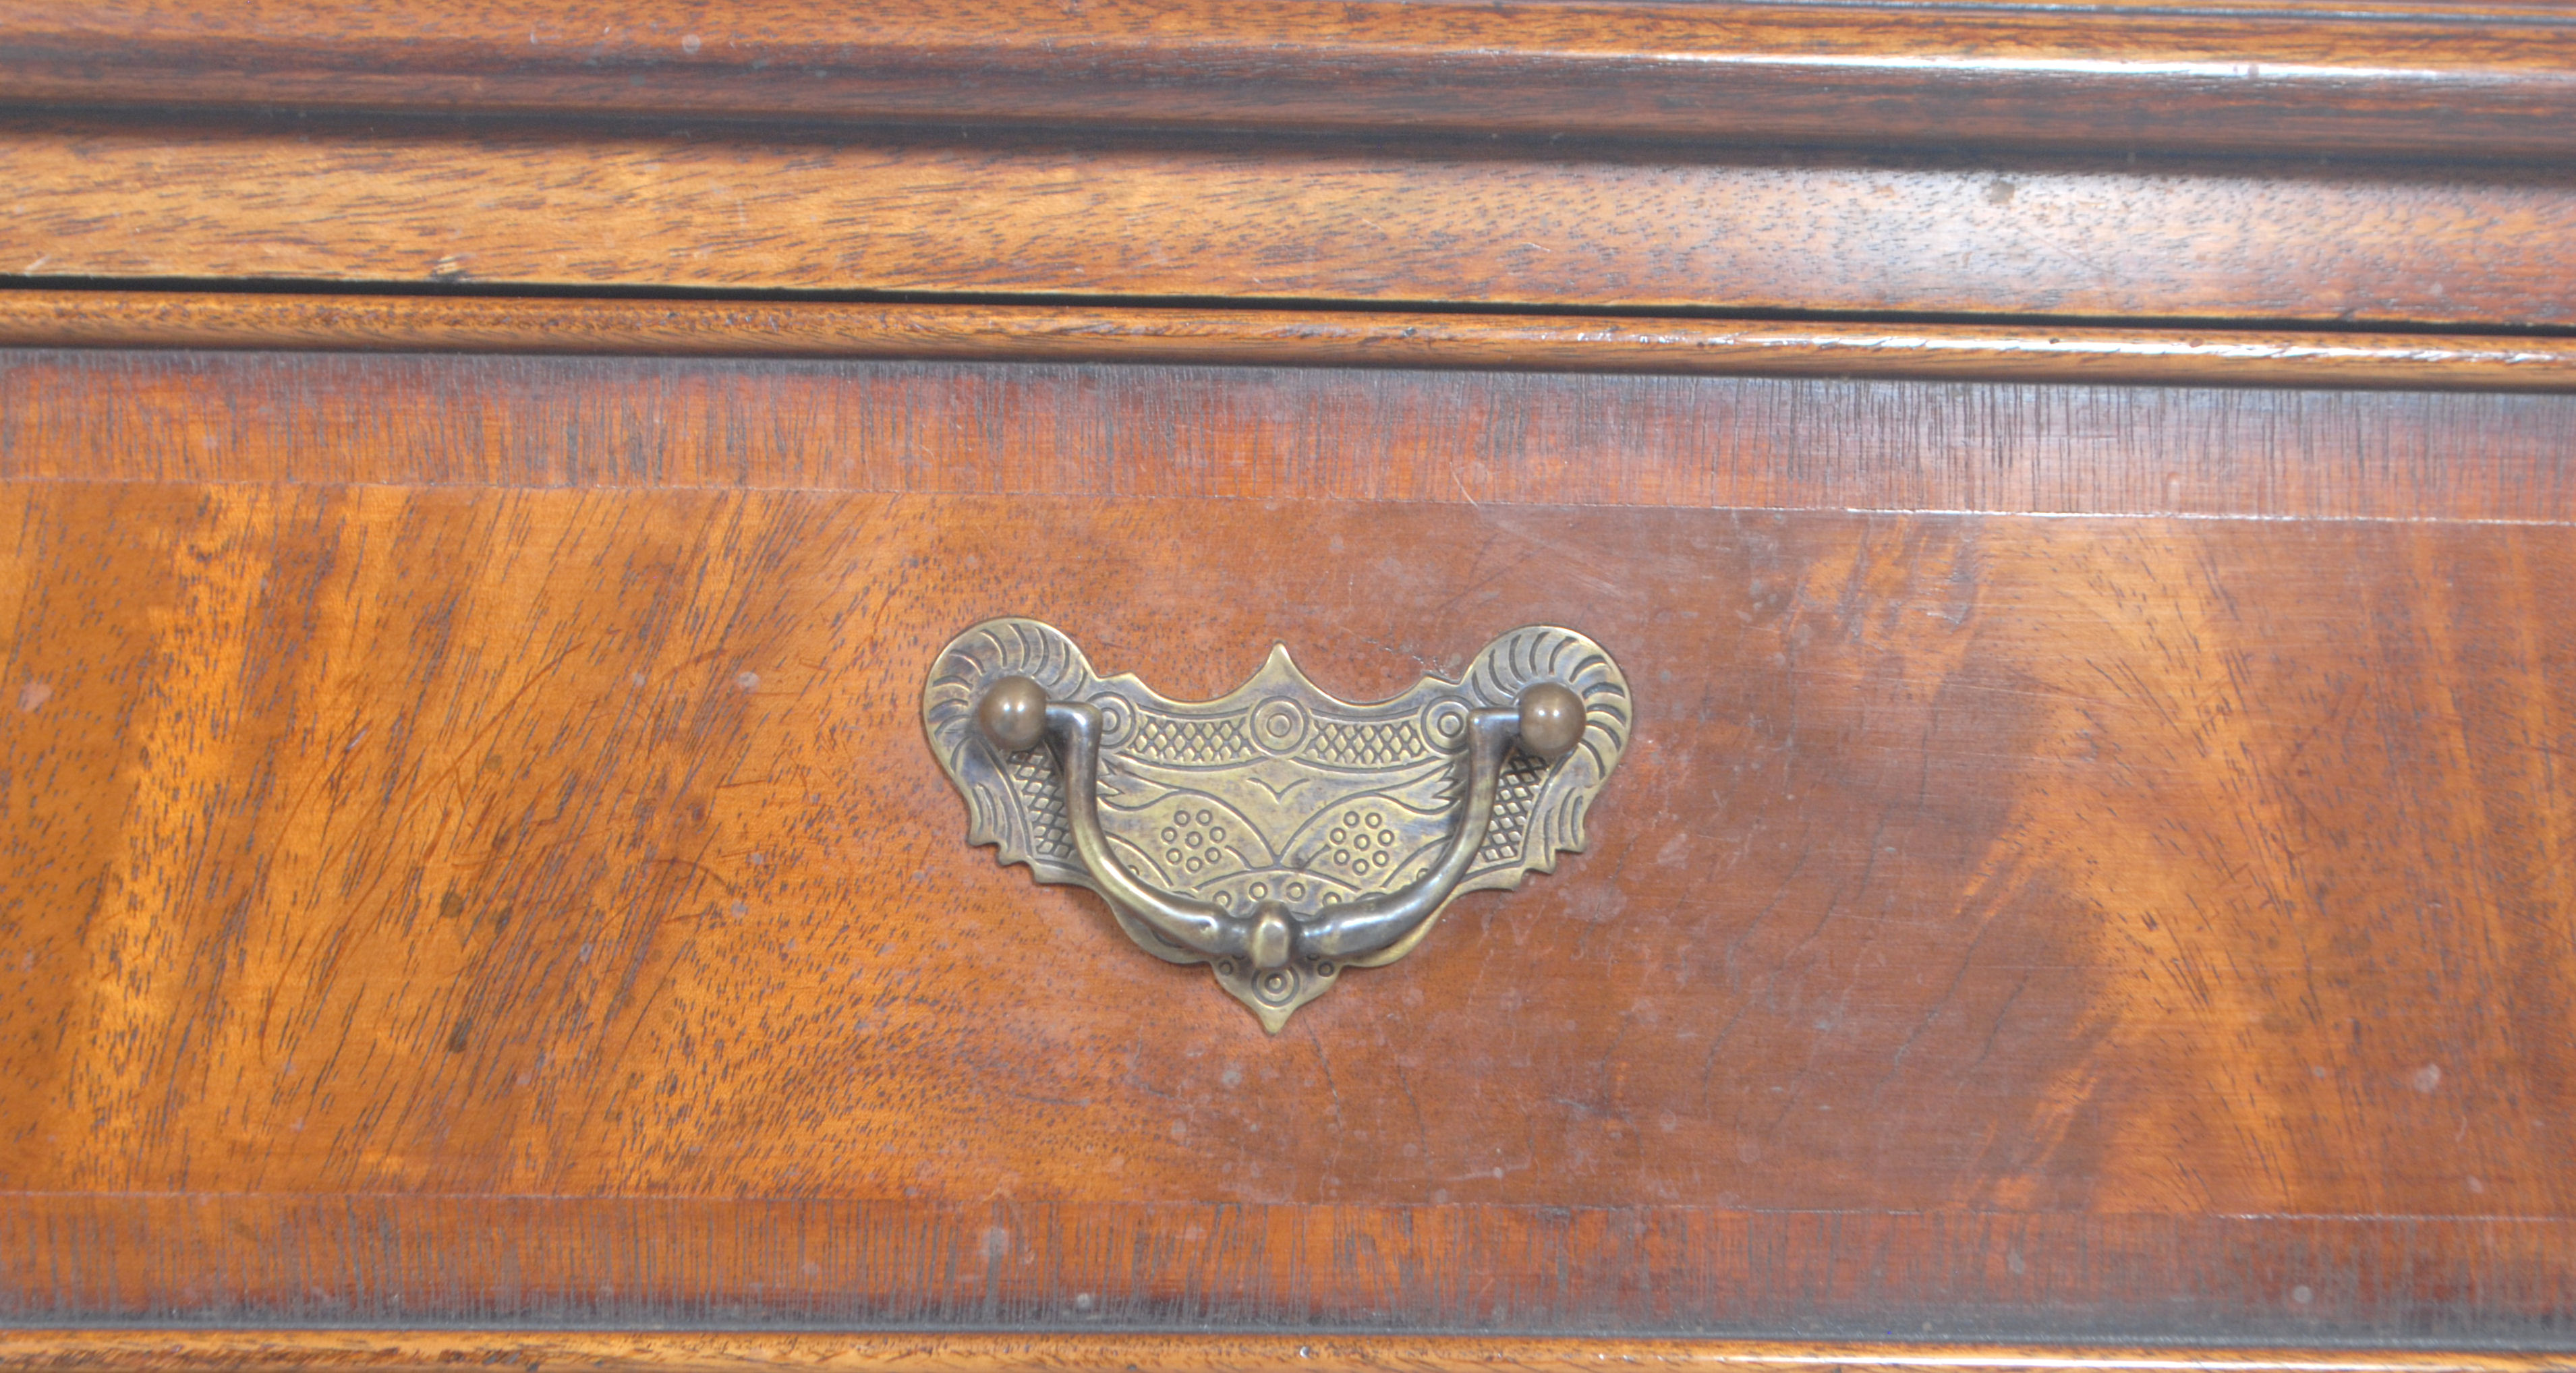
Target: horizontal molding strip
x=1061, y=425
x=930, y=214
x=1139, y=334
x=188, y=1350
x=2486, y=81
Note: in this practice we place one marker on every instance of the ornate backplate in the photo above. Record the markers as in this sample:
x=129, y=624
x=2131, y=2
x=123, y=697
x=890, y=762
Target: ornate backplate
x=1276, y=791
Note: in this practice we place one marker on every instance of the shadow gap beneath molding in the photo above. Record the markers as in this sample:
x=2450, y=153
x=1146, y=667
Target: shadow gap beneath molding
x=468, y=289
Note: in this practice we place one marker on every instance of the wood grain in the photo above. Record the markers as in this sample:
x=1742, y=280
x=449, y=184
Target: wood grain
x=2484, y=80
x=183, y=1349
x=2086, y=497
x=1310, y=338
x=522, y=897
x=257, y=1263
x=1284, y=434
x=2461, y=245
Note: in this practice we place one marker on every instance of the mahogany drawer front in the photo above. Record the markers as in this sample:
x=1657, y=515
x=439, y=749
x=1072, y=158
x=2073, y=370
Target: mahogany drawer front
x=2090, y=862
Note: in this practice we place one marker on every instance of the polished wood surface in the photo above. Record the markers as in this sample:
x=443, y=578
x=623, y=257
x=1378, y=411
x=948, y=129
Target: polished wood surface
x=437, y=203
x=1308, y=338
x=2085, y=496
x=471, y=859
x=2300, y=76
x=1285, y=434
x=181, y=1350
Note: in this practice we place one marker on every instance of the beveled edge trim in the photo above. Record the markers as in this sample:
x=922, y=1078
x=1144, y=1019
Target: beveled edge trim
x=195, y=1349
x=1314, y=338
x=2217, y=77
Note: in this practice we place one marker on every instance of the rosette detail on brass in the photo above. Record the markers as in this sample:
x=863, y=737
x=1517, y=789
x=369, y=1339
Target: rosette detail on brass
x=1278, y=834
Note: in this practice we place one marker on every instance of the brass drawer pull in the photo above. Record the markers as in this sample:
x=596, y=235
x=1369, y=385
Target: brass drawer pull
x=1283, y=834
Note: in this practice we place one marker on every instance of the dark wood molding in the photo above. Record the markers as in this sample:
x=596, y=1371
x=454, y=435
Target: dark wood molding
x=538, y=210
x=2423, y=79
x=1140, y=334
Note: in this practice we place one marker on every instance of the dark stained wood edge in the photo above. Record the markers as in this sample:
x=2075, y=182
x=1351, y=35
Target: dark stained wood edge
x=2490, y=81
x=1109, y=333
x=188, y=1349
